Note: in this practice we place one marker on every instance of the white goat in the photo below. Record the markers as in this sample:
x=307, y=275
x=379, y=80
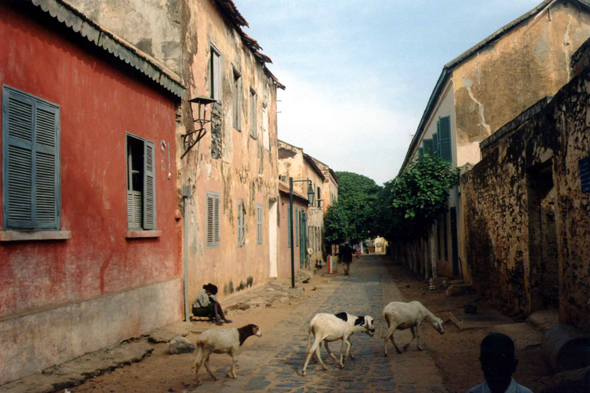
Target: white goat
x=221, y=341
x=332, y=327
x=400, y=315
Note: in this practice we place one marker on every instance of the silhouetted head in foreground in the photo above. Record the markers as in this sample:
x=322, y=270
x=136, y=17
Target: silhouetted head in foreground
x=497, y=361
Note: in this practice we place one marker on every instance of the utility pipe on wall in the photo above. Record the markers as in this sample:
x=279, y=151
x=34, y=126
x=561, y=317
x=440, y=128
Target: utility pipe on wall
x=186, y=194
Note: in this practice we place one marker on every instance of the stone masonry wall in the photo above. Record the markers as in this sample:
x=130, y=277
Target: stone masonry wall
x=525, y=211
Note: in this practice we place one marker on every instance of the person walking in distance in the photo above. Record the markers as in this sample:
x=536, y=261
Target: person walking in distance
x=346, y=257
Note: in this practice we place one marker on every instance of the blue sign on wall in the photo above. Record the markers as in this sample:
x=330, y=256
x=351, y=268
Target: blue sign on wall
x=584, y=165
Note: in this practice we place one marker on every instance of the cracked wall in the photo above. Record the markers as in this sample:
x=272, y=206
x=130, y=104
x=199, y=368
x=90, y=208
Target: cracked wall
x=153, y=26
x=527, y=64
x=227, y=161
x=509, y=259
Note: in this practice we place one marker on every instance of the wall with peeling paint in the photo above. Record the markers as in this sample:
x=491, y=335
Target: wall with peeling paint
x=61, y=299
x=237, y=173
x=526, y=187
x=152, y=26
x=532, y=61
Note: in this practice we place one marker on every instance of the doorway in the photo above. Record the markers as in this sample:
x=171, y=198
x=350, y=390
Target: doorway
x=544, y=270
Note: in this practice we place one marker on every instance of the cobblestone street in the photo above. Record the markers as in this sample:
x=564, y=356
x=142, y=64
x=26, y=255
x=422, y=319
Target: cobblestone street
x=274, y=363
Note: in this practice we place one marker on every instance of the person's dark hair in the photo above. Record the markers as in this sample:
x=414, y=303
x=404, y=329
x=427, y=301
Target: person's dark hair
x=497, y=360
x=211, y=288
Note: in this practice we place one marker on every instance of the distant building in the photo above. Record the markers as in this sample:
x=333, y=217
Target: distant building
x=282, y=267
x=293, y=162
x=330, y=187
x=476, y=94
x=89, y=244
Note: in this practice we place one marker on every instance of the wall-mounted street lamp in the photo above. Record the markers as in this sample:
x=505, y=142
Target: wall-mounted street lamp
x=191, y=138
x=311, y=199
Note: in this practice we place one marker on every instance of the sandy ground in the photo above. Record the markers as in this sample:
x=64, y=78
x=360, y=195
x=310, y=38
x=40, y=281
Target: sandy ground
x=457, y=352
x=162, y=372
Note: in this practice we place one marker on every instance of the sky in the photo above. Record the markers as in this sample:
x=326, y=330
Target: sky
x=359, y=72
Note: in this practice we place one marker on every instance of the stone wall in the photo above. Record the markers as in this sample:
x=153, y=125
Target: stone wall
x=527, y=220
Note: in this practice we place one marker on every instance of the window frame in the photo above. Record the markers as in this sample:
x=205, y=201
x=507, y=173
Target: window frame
x=215, y=221
x=7, y=92
x=236, y=100
x=216, y=81
x=144, y=188
x=253, y=114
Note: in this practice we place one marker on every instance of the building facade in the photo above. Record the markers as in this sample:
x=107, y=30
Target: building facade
x=88, y=194
x=528, y=199
x=294, y=163
x=298, y=228
x=231, y=229
x=476, y=94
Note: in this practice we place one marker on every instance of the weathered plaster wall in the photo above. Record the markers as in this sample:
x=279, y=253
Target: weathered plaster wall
x=499, y=197
x=530, y=62
x=153, y=26
x=236, y=174
x=48, y=288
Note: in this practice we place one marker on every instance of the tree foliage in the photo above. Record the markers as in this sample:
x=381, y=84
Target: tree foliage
x=408, y=205
x=351, y=218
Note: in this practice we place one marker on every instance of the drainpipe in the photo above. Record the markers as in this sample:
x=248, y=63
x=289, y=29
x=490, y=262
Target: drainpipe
x=186, y=194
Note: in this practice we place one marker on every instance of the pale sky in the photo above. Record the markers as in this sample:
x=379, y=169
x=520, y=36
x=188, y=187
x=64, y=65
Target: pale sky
x=359, y=72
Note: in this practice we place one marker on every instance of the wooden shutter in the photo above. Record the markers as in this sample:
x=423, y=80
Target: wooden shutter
x=149, y=186
x=445, y=239
x=241, y=223
x=213, y=220
x=435, y=146
x=253, y=110
x=289, y=226
x=420, y=152
x=296, y=227
x=31, y=161
x=428, y=149
x=217, y=221
x=210, y=220
x=446, y=152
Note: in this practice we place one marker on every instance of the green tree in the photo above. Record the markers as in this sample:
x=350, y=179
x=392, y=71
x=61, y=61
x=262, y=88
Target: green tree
x=351, y=218
x=408, y=205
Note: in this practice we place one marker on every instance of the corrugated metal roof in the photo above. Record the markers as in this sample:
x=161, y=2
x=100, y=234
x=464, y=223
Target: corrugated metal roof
x=96, y=34
x=466, y=55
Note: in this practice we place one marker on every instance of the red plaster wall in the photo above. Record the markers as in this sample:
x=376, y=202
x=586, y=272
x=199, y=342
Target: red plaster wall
x=100, y=100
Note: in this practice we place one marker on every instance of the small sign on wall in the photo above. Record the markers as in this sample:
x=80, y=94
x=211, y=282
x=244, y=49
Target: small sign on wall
x=584, y=165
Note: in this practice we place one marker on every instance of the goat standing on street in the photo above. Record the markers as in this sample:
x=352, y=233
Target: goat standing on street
x=332, y=327
x=401, y=316
x=221, y=341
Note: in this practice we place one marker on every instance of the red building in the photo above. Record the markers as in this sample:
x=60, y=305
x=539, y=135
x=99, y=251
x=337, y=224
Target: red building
x=89, y=238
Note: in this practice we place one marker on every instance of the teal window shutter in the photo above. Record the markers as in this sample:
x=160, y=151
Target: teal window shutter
x=30, y=150
x=296, y=227
x=435, y=145
x=149, y=187
x=428, y=149
x=446, y=151
x=289, y=226
x=420, y=152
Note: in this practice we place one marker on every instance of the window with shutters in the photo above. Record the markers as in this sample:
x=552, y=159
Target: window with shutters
x=420, y=152
x=215, y=74
x=141, y=185
x=30, y=162
x=428, y=146
x=444, y=137
x=241, y=223
x=258, y=224
x=253, y=114
x=435, y=145
x=237, y=87
x=213, y=240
